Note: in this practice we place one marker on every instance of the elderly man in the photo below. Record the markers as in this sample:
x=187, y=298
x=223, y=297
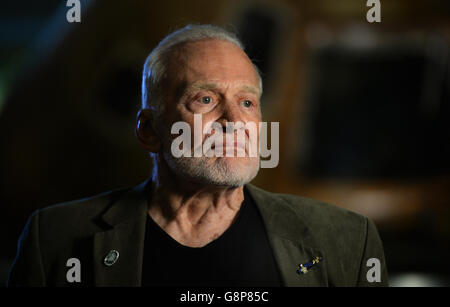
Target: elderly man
x=197, y=221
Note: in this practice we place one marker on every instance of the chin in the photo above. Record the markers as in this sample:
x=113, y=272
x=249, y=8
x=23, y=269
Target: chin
x=234, y=171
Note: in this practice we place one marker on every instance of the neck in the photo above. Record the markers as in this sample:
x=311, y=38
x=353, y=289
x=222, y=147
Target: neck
x=184, y=208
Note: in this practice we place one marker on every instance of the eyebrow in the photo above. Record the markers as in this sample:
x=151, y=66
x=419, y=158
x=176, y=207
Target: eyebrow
x=251, y=89
x=202, y=86
x=212, y=86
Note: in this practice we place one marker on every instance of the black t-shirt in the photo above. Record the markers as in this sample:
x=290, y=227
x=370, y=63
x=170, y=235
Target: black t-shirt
x=241, y=256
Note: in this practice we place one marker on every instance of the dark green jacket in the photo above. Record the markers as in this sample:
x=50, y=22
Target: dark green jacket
x=299, y=229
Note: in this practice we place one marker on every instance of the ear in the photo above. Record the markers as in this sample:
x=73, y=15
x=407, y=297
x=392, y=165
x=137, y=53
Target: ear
x=145, y=132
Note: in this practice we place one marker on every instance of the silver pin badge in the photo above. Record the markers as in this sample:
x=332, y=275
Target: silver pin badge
x=111, y=257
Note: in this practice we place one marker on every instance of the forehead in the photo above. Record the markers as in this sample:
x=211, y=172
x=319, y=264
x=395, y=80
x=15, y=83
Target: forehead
x=215, y=61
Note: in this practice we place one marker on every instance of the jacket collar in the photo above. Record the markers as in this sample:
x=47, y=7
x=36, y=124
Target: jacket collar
x=128, y=205
x=291, y=239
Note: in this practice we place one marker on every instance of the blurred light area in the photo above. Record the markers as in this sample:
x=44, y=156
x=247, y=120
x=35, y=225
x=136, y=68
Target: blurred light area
x=318, y=35
x=417, y=280
x=356, y=35
x=359, y=36
x=20, y=24
x=381, y=204
x=8, y=71
x=56, y=28
x=27, y=36
x=19, y=31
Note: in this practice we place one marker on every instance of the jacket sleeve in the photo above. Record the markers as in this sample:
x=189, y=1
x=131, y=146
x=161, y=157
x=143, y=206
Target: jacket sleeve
x=27, y=269
x=373, y=271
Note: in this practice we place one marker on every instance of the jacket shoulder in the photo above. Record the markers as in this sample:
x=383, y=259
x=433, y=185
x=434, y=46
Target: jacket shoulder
x=319, y=212
x=336, y=228
x=95, y=201
x=80, y=215
x=315, y=213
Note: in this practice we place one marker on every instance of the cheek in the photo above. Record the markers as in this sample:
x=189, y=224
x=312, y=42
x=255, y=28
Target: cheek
x=179, y=114
x=200, y=122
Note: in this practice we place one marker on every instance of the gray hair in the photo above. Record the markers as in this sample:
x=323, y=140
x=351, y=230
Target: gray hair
x=155, y=67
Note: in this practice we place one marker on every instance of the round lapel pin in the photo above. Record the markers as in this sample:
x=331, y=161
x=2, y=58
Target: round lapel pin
x=111, y=258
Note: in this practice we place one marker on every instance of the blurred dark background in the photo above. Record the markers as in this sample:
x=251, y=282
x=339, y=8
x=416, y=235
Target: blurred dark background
x=363, y=109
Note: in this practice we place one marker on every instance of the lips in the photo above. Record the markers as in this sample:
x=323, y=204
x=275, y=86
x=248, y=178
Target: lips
x=237, y=145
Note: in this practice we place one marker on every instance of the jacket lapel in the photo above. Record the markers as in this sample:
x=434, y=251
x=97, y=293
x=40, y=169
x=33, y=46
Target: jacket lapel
x=127, y=217
x=292, y=241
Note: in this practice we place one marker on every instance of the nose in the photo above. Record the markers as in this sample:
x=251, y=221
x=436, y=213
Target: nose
x=230, y=113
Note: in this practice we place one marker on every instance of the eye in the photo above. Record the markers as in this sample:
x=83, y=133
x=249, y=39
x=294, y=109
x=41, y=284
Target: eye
x=206, y=99
x=247, y=103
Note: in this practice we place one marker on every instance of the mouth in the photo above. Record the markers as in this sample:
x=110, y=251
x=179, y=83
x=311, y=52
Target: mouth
x=235, y=145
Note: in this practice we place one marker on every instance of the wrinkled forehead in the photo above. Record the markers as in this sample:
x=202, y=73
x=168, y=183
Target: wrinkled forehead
x=215, y=60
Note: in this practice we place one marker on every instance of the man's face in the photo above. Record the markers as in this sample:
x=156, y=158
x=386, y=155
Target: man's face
x=216, y=79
